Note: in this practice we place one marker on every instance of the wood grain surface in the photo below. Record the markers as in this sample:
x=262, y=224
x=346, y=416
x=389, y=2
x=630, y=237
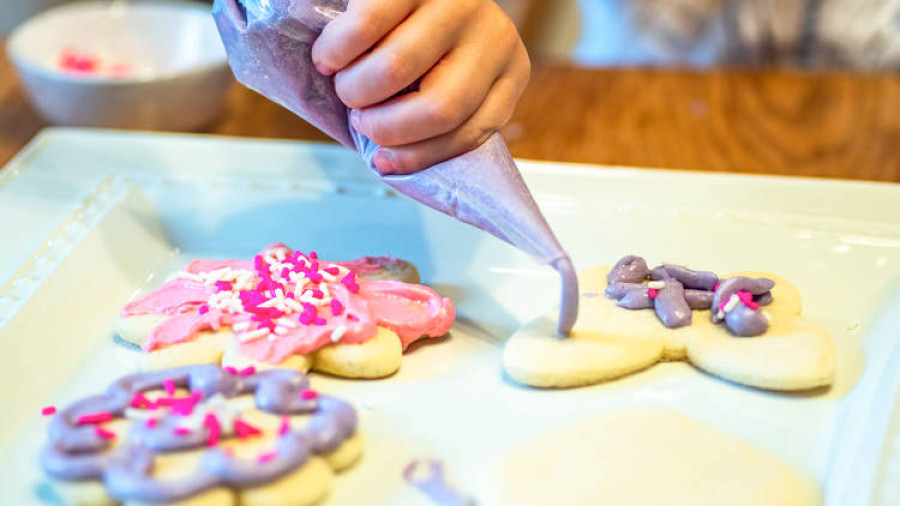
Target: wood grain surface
x=837, y=125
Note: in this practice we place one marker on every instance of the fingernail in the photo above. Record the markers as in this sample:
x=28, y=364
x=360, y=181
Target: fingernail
x=384, y=162
x=354, y=119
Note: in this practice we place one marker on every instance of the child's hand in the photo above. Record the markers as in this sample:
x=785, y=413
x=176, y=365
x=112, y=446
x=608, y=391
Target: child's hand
x=468, y=53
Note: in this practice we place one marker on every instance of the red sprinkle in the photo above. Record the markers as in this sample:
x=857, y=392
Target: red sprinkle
x=266, y=457
x=203, y=309
x=169, y=385
x=247, y=371
x=223, y=286
x=652, y=292
x=244, y=429
x=182, y=431
x=105, y=434
x=99, y=417
x=336, y=307
x=49, y=410
x=313, y=255
x=285, y=426
x=309, y=395
x=352, y=317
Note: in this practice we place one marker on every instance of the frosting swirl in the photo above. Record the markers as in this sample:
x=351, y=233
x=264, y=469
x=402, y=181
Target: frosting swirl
x=673, y=291
x=80, y=449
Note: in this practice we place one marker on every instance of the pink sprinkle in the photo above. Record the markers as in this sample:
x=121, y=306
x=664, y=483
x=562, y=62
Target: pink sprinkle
x=99, y=417
x=105, y=434
x=266, y=457
x=285, y=426
x=652, y=292
x=309, y=395
x=258, y=263
x=211, y=422
x=352, y=317
x=305, y=319
x=350, y=282
x=182, y=431
x=336, y=307
x=334, y=271
x=203, y=309
x=247, y=371
x=313, y=255
x=151, y=422
x=169, y=385
x=49, y=410
x=318, y=294
x=223, y=286
x=319, y=321
x=140, y=401
x=744, y=296
x=244, y=429
x=716, y=287
x=230, y=370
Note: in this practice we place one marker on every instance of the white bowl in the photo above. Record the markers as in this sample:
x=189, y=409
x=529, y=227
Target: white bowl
x=162, y=65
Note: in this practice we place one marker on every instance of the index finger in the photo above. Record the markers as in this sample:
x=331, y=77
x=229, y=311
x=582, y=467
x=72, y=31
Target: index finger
x=355, y=31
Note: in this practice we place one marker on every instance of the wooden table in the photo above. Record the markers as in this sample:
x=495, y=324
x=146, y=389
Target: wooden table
x=837, y=125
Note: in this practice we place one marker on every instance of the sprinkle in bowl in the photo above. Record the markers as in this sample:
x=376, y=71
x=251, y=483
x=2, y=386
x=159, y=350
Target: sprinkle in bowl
x=141, y=64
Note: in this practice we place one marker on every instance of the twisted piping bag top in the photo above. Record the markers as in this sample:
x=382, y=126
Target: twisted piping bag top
x=269, y=45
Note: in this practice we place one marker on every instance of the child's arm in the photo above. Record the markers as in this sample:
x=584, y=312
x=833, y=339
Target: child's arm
x=468, y=54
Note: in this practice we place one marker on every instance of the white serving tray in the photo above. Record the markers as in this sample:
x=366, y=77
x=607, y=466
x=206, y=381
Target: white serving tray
x=89, y=217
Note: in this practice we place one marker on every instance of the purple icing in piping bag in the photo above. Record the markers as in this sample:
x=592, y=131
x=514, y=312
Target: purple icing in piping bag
x=269, y=45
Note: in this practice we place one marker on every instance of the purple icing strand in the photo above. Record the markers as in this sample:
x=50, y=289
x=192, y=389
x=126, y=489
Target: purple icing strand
x=684, y=290
x=269, y=49
x=434, y=486
x=76, y=452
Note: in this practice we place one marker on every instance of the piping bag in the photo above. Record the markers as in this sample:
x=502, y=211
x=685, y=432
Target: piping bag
x=269, y=45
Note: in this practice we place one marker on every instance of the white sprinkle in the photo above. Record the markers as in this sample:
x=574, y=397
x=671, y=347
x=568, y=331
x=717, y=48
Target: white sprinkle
x=280, y=331
x=269, y=303
x=293, y=304
x=279, y=293
x=720, y=315
x=271, y=338
x=241, y=326
x=254, y=335
x=191, y=276
x=766, y=315
x=216, y=275
x=287, y=323
x=656, y=285
x=590, y=294
x=338, y=333
x=732, y=303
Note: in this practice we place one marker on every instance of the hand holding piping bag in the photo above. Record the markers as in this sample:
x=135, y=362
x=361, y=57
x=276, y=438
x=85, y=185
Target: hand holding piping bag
x=271, y=45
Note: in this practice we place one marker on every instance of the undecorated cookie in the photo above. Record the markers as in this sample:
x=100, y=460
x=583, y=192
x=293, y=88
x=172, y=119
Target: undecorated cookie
x=287, y=309
x=643, y=457
x=201, y=435
x=610, y=341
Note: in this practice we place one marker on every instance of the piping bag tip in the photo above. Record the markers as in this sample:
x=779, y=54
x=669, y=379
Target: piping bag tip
x=568, y=306
x=269, y=45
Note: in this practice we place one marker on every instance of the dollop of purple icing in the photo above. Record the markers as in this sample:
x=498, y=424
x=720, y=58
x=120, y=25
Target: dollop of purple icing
x=684, y=290
x=77, y=452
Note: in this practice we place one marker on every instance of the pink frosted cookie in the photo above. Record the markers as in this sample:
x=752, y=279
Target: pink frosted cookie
x=287, y=309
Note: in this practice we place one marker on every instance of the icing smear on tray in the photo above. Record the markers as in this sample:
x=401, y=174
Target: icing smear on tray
x=285, y=303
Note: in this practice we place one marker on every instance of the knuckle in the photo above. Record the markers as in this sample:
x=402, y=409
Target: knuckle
x=360, y=29
x=391, y=69
x=442, y=115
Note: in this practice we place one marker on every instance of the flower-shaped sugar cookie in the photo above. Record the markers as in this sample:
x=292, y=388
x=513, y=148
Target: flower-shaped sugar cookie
x=746, y=328
x=287, y=309
x=201, y=435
